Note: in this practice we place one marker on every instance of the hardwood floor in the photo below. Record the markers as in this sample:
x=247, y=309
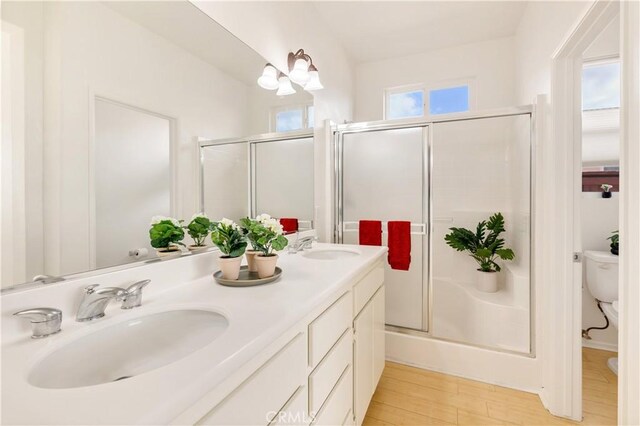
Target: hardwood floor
x=411, y=396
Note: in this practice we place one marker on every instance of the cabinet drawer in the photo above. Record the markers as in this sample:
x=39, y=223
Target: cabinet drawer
x=325, y=330
x=255, y=400
x=366, y=288
x=328, y=372
x=338, y=405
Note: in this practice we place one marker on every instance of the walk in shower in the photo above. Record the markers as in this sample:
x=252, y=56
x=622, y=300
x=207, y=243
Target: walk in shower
x=439, y=174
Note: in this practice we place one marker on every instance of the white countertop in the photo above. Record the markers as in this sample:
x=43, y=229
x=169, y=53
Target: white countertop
x=256, y=315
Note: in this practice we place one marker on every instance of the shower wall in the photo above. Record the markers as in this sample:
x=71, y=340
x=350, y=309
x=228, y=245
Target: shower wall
x=481, y=167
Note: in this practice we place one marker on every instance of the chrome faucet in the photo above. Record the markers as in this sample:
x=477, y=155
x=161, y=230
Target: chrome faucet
x=301, y=244
x=45, y=321
x=133, y=297
x=94, y=302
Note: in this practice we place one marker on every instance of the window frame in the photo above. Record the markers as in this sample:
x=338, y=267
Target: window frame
x=273, y=115
x=426, y=96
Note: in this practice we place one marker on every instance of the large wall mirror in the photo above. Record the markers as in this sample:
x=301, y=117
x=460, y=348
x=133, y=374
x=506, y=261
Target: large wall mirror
x=277, y=167
x=103, y=108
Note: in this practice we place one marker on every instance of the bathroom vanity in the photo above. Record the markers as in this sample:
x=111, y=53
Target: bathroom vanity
x=307, y=349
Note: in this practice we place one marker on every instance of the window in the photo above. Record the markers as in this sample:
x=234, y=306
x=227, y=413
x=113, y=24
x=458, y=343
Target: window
x=601, y=85
x=405, y=104
x=600, y=124
x=410, y=102
x=449, y=100
x=290, y=118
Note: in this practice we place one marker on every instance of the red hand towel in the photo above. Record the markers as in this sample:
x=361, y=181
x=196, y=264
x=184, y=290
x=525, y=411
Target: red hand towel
x=370, y=233
x=399, y=244
x=289, y=224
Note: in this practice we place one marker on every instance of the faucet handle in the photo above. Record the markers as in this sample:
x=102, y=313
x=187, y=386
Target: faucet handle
x=45, y=321
x=133, y=296
x=91, y=288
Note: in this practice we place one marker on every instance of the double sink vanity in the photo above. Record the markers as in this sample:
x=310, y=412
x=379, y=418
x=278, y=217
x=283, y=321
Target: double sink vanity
x=306, y=349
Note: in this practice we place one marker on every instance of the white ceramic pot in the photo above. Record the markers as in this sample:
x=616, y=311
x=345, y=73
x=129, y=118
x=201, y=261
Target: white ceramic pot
x=167, y=251
x=230, y=267
x=193, y=247
x=487, y=281
x=266, y=265
x=251, y=262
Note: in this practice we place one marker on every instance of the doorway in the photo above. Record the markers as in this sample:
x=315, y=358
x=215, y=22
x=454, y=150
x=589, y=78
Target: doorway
x=131, y=166
x=599, y=213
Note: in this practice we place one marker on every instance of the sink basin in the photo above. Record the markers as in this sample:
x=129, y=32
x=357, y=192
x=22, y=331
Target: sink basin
x=128, y=349
x=330, y=254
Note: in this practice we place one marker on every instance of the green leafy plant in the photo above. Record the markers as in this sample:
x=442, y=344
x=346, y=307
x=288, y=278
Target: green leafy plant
x=229, y=238
x=615, y=236
x=264, y=233
x=484, y=245
x=606, y=187
x=199, y=227
x=165, y=232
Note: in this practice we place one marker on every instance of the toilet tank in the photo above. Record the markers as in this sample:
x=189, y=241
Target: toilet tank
x=602, y=275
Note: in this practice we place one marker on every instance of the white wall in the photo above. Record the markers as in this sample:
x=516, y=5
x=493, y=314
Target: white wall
x=489, y=65
x=607, y=44
x=599, y=220
x=543, y=26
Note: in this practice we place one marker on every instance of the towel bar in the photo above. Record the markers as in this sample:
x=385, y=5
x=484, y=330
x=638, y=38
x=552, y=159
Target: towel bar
x=353, y=227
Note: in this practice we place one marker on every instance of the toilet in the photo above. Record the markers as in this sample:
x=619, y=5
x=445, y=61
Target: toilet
x=602, y=282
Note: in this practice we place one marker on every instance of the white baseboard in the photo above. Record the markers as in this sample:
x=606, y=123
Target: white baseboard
x=519, y=372
x=594, y=344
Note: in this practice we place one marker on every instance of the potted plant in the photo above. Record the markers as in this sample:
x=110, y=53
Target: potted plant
x=228, y=237
x=606, y=190
x=614, y=242
x=266, y=235
x=198, y=229
x=485, y=246
x=247, y=225
x=166, y=235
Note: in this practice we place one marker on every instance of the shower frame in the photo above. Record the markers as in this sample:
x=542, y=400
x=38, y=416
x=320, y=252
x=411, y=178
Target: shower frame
x=338, y=132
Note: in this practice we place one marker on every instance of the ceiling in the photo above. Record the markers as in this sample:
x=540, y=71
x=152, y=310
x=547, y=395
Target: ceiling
x=372, y=31
x=185, y=25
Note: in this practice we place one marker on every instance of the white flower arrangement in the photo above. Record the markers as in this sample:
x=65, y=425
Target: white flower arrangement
x=270, y=223
x=262, y=218
x=157, y=219
x=230, y=223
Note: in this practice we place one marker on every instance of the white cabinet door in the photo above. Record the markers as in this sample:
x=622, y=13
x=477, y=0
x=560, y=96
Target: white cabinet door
x=378, y=336
x=368, y=352
x=363, y=361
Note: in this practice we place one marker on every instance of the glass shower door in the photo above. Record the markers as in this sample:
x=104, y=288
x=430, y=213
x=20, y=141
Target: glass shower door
x=383, y=178
x=480, y=167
